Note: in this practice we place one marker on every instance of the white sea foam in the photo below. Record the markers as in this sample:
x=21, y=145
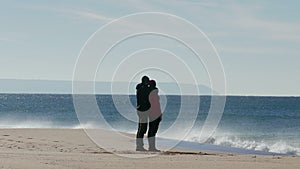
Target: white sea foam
x=38, y=123
x=90, y=125
x=27, y=124
x=279, y=146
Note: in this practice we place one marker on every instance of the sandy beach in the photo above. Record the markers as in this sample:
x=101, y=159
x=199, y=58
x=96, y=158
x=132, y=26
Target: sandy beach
x=71, y=148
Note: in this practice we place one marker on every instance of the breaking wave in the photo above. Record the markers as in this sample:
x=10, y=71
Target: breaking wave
x=280, y=146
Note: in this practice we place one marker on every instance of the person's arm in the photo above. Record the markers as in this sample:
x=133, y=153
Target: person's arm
x=138, y=86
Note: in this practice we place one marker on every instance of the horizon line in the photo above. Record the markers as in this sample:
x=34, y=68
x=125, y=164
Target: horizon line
x=227, y=95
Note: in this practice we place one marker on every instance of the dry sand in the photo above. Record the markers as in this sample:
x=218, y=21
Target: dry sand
x=71, y=148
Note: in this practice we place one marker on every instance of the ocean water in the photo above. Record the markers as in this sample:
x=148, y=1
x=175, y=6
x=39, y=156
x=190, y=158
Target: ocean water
x=269, y=124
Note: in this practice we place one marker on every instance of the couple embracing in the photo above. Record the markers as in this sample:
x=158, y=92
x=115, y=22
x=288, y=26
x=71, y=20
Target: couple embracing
x=148, y=109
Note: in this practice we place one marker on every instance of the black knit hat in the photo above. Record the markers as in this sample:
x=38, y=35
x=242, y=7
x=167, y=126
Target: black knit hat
x=145, y=79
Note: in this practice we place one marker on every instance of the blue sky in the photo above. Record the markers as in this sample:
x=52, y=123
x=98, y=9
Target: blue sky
x=258, y=41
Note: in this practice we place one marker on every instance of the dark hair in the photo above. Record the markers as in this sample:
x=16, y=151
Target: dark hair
x=152, y=83
x=145, y=79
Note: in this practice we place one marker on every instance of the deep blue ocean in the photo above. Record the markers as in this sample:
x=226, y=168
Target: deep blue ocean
x=270, y=124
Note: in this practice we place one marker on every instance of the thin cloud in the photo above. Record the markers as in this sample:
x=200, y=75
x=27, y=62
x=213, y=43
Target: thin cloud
x=276, y=30
x=233, y=16
x=262, y=50
x=85, y=14
x=10, y=40
x=6, y=40
x=273, y=30
x=75, y=13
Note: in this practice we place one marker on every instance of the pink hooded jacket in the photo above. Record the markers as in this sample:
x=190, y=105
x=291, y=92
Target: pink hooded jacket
x=154, y=110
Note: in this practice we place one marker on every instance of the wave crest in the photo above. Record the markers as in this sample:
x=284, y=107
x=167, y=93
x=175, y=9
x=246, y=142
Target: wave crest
x=280, y=146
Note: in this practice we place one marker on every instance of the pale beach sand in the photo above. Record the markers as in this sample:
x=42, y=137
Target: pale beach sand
x=72, y=148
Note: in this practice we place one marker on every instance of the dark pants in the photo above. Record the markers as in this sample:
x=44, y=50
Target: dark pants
x=143, y=123
x=153, y=126
x=142, y=129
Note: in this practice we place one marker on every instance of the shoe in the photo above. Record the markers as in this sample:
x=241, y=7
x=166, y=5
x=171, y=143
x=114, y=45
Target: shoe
x=153, y=150
x=152, y=146
x=140, y=149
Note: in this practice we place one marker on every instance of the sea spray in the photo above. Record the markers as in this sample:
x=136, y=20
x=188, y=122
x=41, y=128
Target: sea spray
x=282, y=147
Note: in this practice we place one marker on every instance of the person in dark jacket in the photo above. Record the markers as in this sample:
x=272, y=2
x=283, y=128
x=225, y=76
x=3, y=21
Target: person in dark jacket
x=143, y=105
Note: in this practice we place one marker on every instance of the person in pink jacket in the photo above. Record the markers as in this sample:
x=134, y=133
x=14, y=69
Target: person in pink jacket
x=155, y=115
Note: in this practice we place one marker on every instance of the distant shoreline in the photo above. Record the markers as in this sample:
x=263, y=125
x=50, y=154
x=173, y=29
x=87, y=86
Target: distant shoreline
x=132, y=94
